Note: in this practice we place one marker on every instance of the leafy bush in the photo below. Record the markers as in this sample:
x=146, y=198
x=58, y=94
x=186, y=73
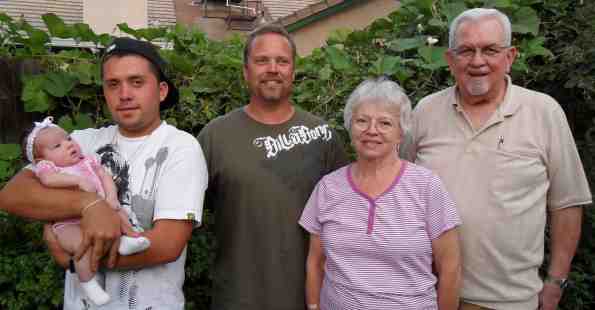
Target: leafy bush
x=555, y=38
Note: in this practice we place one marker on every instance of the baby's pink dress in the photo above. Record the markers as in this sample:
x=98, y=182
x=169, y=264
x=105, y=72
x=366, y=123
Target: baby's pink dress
x=85, y=168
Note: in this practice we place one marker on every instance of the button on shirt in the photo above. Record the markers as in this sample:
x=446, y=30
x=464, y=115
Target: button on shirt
x=379, y=251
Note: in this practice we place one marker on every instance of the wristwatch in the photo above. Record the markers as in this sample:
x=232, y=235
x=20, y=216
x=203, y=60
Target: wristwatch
x=561, y=282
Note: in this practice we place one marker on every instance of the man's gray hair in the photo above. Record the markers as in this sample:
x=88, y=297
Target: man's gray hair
x=380, y=90
x=475, y=15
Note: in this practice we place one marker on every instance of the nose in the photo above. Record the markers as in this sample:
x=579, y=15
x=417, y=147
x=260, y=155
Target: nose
x=478, y=59
x=124, y=91
x=273, y=66
x=372, y=128
x=69, y=144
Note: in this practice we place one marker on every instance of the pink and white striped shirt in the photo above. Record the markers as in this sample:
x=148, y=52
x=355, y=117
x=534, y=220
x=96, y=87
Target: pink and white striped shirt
x=379, y=251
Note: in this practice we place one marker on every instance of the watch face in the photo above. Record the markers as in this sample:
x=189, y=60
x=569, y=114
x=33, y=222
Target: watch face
x=563, y=283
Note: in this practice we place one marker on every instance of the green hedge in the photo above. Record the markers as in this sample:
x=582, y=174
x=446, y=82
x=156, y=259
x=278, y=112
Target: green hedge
x=557, y=48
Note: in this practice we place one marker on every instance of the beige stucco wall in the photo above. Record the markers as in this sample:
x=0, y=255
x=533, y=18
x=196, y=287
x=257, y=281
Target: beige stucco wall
x=104, y=15
x=356, y=17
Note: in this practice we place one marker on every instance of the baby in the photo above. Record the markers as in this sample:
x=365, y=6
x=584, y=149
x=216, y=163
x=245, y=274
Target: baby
x=58, y=162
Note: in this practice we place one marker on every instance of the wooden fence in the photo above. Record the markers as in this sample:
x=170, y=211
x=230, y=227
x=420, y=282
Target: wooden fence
x=13, y=118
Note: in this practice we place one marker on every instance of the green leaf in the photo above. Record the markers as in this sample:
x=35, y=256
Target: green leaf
x=10, y=151
x=80, y=121
x=433, y=55
x=525, y=20
x=187, y=95
x=452, y=10
x=37, y=41
x=83, y=72
x=83, y=32
x=503, y=4
x=33, y=95
x=338, y=36
x=104, y=39
x=338, y=59
x=126, y=29
x=437, y=23
x=386, y=65
x=403, y=74
x=401, y=45
x=5, y=18
x=535, y=47
x=422, y=5
x=56, y=26
x=59, y=84
x=325, y=73
x=180, y=63
x=151, y=34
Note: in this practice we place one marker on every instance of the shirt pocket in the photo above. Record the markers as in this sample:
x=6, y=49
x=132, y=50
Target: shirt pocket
x=518, y=179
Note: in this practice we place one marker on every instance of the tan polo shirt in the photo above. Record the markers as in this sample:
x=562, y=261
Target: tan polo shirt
x=502, y=177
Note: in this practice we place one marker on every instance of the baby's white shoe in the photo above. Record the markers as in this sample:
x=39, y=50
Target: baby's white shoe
x=95, y=293
x=130, y=245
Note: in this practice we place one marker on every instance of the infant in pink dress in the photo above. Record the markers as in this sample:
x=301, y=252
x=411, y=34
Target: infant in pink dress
x=58, y=162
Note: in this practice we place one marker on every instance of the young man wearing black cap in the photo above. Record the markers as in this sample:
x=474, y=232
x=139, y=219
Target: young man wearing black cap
x=147, y=158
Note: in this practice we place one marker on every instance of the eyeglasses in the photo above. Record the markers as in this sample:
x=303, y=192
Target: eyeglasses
x=487, y=52
x=382, y=125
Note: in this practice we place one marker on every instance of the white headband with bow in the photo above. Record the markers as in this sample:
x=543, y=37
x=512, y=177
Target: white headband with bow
x=46, y=123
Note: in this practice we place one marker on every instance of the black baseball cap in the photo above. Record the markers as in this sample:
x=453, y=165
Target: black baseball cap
x=148, y=51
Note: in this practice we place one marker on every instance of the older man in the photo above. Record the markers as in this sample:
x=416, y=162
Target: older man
x=508, y=157
x=264, y=160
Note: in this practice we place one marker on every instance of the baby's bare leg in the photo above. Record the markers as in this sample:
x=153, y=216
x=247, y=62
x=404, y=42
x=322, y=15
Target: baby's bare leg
x=69, y=237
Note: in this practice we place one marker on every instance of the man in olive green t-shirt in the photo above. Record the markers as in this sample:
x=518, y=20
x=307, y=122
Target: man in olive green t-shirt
x=264, y=160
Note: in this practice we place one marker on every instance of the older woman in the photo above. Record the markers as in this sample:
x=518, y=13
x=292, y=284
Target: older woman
x=379, y=225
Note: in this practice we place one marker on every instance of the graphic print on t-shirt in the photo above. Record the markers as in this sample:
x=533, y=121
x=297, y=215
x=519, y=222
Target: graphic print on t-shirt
x=296, y=135
x=141, y=203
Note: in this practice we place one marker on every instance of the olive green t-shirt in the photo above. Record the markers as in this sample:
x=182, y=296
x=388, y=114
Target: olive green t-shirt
x=260, y=177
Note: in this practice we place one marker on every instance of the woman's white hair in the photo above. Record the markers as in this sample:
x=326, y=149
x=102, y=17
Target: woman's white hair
x=475, y=15
x=379, y=91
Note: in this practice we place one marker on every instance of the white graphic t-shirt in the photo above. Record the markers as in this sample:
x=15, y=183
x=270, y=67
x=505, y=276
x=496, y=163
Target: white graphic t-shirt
x=160, y=176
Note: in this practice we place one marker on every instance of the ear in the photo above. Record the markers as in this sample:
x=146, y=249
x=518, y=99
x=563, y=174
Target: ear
x=450, y=59
x=163, y=90
x=511, y=54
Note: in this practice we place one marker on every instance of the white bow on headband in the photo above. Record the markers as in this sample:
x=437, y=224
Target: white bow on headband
x=46, y=123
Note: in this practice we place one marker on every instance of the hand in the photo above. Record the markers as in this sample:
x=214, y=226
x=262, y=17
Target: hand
x=60, y=256
x=114, y=203
x=126, y=226
x=101, y=229
x=87, y=186
x=550, y=296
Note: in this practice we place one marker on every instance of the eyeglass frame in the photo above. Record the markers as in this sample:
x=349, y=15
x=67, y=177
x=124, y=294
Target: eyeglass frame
x=495, y=51
x=376, y=123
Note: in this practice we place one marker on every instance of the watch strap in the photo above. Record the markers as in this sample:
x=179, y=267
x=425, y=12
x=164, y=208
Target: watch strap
x=561, y=282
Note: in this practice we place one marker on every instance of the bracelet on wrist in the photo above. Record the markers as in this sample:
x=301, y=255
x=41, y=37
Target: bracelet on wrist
x=312, y=306
x=90, y=205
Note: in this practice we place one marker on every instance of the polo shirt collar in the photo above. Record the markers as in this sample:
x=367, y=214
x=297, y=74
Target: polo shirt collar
x=508, y=106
